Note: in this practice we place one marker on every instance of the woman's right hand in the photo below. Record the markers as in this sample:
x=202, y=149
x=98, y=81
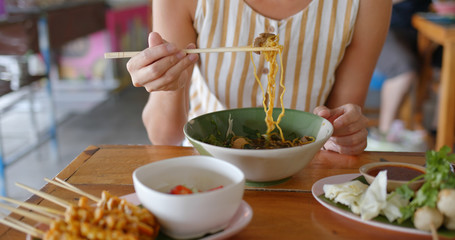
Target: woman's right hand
x=162, y=66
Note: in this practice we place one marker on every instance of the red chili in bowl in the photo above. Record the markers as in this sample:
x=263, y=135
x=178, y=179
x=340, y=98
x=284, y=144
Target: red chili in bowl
x=181, y=189
x=396, y=172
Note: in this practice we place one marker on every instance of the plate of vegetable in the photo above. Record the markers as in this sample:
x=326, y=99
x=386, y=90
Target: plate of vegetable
x=428, y=211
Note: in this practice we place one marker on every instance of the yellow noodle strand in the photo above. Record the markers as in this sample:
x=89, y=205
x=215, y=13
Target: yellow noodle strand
x=270, y=57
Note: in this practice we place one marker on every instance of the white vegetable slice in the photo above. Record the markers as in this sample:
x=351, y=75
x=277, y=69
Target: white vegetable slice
x=375, y=197
x=393, y=205
x=347, y=193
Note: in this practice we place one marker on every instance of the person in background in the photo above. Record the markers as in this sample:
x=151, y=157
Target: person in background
x=330, y=50
x=398, y=63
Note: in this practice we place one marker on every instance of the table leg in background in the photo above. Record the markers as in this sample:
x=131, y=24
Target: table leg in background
x=446, y=115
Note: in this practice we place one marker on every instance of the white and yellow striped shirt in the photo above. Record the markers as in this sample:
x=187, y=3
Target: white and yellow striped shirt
x=314, y=42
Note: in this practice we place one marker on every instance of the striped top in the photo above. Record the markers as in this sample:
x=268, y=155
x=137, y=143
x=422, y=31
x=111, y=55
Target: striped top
x=314, y=41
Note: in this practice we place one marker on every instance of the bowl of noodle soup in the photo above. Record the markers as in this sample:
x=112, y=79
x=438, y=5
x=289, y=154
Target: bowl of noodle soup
x=211, y=134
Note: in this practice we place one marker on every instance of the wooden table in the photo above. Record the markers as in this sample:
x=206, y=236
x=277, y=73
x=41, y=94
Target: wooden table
x=443, y=34
x=284, y=211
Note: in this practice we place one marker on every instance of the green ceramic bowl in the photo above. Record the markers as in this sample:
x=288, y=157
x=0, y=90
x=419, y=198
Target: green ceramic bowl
x=264, y=165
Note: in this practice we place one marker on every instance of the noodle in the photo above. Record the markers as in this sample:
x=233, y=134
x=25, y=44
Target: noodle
x=269, y=140
x=270, y=56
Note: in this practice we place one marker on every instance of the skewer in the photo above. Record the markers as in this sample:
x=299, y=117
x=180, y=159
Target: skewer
x=434, y=232
x=22, y=225
x=197, y=50
x=77, y=190
x=50, y=212
x=37, y=208
x=67, y=186
x=46, y=196
x=28, y=230
x=31, y=215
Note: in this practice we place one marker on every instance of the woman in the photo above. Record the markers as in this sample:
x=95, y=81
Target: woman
x=331, y=48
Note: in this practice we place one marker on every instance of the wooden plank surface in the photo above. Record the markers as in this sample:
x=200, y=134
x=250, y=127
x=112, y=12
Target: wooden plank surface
x=284, y=211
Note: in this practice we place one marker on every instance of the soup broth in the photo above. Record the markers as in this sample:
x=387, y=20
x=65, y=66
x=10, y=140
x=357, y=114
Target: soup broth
x=400, y=173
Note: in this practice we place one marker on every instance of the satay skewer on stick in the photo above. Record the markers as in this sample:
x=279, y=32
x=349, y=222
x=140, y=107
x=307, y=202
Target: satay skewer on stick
x=50, y=212
x=20, y=226
x=107, y=207
x=19, y=223
x=46, y=196
x=67, y=186
x=34, y=216
x=143, y=226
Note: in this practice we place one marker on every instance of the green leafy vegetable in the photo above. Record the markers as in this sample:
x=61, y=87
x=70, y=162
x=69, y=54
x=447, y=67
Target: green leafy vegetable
x=438, y=176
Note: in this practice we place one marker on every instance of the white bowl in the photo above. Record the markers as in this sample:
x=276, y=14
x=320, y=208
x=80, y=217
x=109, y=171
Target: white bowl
x=193, y=215
x=260, y=165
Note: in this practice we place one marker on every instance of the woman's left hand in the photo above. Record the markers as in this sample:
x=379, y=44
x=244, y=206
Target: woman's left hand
x=349, y=128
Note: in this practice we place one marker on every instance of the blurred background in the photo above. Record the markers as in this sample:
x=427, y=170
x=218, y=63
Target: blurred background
x=58, y=95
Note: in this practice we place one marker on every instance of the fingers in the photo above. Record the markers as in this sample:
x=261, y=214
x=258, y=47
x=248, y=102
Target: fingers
x=172, y=79
x=156, y=70
x=350, y=134
x=322, y=111
x=354, y=139
x=329, y=114
x=155, y=39
x=346, y=119
x=351, y=150
x=161, y=66
x=152, y=54
x=351, y=123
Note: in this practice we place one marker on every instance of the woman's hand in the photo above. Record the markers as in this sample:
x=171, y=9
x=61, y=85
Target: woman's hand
x=349, y=128
x=161, y=67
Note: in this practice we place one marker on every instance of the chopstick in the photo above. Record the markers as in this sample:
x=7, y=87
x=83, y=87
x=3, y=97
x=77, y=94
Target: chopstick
x=197, y=50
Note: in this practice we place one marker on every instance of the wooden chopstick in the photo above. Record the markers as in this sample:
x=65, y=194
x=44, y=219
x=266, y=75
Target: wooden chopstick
x=197, y=50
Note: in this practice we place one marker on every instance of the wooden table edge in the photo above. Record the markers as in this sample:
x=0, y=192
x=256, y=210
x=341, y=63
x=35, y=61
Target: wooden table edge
x=72, y=167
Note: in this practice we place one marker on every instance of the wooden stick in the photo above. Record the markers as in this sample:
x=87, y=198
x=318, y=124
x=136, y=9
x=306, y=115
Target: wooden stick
x=198, y=50
x=31, y=215
x=72, y=188
x=50, y=212
x=78, y=190
x=35, y=232
x=46, y=196
x=434, y=232
x=30, y=229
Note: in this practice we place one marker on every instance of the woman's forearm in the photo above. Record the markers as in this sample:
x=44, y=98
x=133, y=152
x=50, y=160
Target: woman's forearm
x=164, y=116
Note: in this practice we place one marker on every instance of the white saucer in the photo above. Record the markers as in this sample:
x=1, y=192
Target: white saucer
x=240, y=220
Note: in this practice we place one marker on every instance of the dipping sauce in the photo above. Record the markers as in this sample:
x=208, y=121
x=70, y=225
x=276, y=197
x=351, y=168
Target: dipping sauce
x=396, y=172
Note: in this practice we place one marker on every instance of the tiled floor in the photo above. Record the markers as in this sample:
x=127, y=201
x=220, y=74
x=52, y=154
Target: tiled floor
x=115, y=120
